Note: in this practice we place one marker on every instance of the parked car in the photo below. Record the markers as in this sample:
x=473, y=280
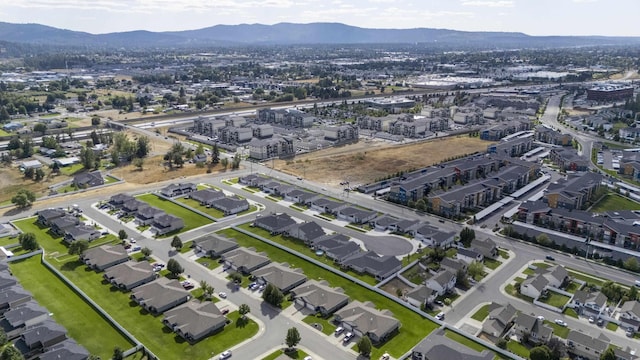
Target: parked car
x=630, y=332
x=549, y=257
x=187, y=285
x=600, y=322
x=339, y=330
x=225, y=311
x=385, y=356
x=440, y=316
x=540, y=317
x=560, y=322
x=225, y=355
x=439, y=302
x=223, y=295
x=347, y=337
x=308, y=358
x=592, y=319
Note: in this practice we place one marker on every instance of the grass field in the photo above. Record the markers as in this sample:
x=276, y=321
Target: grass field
x=465, y=341
x=91, y=330
x=327, y=327
x=518, y=349
x=491, y=263
x=71, y=169
x=555, y=299
x=482, y=313
x=191, y=219
x=196, y=205
x=53, y=245
x=570, y=312
x=613, y=201
x=109, y=179
x=589, y=279
x=414, y=328
x=560, y=331
x=297, y=354
x=4, y=241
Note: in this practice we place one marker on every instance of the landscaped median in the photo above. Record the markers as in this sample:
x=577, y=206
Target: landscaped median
x=414, y=327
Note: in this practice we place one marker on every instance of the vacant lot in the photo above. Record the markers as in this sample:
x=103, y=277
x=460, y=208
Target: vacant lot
x=367, y=161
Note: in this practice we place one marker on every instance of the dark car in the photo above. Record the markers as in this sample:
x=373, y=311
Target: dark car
x=549, y=257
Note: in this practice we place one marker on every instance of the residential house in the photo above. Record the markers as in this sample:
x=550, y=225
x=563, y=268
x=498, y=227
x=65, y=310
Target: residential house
x=7, y=280
x=67, y=349
x=468, y=255
x=534, y=286
x=442, y=282
x=585, y=346
x=88, y=179
x=245, y=260
x=195, y=320
x=81, y=232
x=117, y=200
x=371, y=263
x=214, y=245
x=324, y=205
x=12, y=297
x=132, y=206
x=60, y=225
x=339, y=252
x=254, y=180
x=438, y=346
x=166, y=223
x=499, y=320
x=299, y=196
x=160, y=295
x=42, y=336
x=206, y=197
x=173, y=190
x=574, y=192
x=104, y=256
x=421, y=296
x=317, y=296
x=146, y=215
x=630, y=315
x=356, y=215
x=364, y=319
x=486, y=247
x=433, y=237
x=534, y=327
x=384, y=222
x=625, y=354
x=588, y=303
x=306, y=231
x=454, y=265
x=130, y=274
x=280, y=275
x=275, y=223
x=23, y=316
x=231, y=205
x=47, y=215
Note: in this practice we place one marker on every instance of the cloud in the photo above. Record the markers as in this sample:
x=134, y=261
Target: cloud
x=493, y=4
x=584, y=1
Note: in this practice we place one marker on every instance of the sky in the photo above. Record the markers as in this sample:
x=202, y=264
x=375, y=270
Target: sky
x=533, y=17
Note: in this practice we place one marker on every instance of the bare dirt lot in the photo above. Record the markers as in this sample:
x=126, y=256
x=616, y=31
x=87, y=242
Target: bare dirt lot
x=365, y=162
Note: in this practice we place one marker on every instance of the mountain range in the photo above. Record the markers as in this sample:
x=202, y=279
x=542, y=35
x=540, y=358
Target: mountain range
x=292, y=34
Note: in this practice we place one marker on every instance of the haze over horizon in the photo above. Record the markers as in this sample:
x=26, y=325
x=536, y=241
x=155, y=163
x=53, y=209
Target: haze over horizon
x=532, y=17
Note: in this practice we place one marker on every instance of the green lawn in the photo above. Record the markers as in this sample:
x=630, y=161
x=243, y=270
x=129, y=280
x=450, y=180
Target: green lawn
x=503, y=254
x=491, y=263
x=482, y=313
x=196, y=205
x=91, y=329
x=109, y=179
x=589, y=279
x=147, y=328
x=7, y=240
x=570, y=312
x=511, y=290
x=209, y=263
x=555, y=299
x=612, y=326
x=572, y=287
x=415, y=274
x=465, y=341
x=66, y=189
x=191, y=219
x=71, y=169
x=52, y=245
x=327, y=327
x=613, y=201
x=560, y=331
x=518, y=349
x=414, y=328
x=300, y=247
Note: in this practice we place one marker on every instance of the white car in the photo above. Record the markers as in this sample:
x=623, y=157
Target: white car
x=347, y=337
x=540, y=317
x=560, y=322
x=339, y=330
x=308, y=358
x=223, y=295
x=225, y=355
x=440, y=316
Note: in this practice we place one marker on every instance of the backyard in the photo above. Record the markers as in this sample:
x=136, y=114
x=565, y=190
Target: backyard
x=554, y=299
x=414, y=327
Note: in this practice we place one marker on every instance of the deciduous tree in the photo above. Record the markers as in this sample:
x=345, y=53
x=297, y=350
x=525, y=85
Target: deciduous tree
x=293, y=337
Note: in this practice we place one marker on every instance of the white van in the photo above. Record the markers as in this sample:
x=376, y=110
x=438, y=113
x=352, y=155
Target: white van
x=638, y=283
